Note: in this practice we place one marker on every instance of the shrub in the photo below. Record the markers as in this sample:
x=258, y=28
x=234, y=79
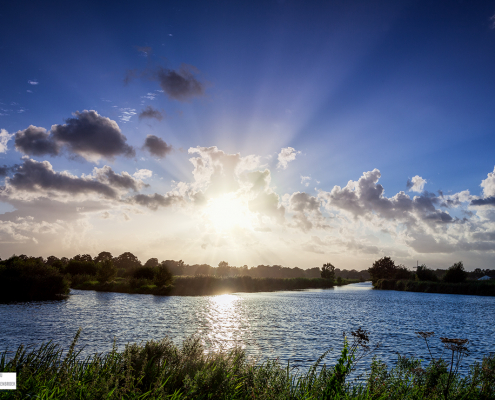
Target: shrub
x=426, y=274
x=456, y=273
x=78, y=267
x=106, y=271
x=162, y=276
x=143, y=273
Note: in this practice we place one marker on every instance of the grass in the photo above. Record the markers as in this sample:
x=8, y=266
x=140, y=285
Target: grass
x=162, y=370
x=480, y=288
x=205, y=285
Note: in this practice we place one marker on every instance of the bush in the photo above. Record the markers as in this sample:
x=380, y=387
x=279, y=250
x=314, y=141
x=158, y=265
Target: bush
x=456, y=273
x=77, y=267
x=162, y=276
x=106, y=271
x=425, y=274
x=143, y=273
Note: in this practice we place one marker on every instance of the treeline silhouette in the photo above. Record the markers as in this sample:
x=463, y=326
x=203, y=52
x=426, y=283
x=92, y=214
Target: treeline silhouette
x=385, y=274
x=36, y=278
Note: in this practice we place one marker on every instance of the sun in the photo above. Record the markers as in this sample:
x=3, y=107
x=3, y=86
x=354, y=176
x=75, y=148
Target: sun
x=227, y=212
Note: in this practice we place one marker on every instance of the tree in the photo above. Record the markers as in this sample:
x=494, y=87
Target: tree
x=127, y=261
x=106, y=271
x=203, y=269
x=456, y=273
x=401, y=272
x=144, y=273
x=104, y=255
x=328, y=272
x=163, y=277
x=384, y=268
x=426, y=274
x=83, y=257
x=223, y=268
x=152, y=262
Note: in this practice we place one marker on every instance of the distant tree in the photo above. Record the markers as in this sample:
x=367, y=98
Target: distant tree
x=384, y=268
x=106, y=271
x=79, y=267
x=104, y=255
x=328, y=272
x=51, y=260
x=163, y=276
x=152, y=262
x=83, y=257
x=127, y=261
x=455, y=273
x=203, y=269
x=401, y=272
x=426, y=274
x=223, y=268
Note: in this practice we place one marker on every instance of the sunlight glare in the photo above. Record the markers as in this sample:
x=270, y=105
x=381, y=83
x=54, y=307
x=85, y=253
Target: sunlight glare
x=227, y=212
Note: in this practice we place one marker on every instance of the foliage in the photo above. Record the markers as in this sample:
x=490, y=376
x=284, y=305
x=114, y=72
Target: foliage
x=480, y=288
x=328, y=272
x=127, y=261
x=26, y=279
x=106, y=270
x=143, y=273
x=384, y=268
x=456, y=273
x=81, y=267
x=426, y=274
x=163, y=276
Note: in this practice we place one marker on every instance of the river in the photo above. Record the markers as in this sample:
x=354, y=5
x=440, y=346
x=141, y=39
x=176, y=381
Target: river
x=297, y=326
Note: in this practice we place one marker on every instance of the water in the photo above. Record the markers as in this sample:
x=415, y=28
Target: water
x=296, y=326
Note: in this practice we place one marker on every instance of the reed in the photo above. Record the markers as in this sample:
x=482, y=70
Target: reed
x=162, y=370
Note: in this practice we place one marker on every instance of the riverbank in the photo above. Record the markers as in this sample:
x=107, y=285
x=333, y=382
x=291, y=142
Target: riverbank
x=209, y=285
x=160, y=369
x=479, y=288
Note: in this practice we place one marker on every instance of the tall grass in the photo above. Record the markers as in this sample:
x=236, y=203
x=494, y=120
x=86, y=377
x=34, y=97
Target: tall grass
x=162, y=370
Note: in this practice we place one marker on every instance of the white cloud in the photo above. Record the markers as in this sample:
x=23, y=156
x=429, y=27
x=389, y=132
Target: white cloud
x=305, y=180
x=285, y=156
x=488, y=185
x=416, y=184
x=4, y=138
x=143, y=174
x=33, y=82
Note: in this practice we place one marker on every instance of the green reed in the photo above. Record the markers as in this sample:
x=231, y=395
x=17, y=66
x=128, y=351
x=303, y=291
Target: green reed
x=162, y=370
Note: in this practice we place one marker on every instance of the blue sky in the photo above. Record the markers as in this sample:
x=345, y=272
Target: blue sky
x=153, y=121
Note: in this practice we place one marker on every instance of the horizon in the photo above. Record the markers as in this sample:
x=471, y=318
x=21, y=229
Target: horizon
x=267, y=133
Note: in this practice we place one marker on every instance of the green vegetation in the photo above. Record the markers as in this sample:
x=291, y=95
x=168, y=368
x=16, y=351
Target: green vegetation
x=162, y=370
x=27, y=279
x=387, y=276
x=33, y=278
x=206, y=285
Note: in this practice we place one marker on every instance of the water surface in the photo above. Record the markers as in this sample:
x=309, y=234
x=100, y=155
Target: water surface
x=297, y=326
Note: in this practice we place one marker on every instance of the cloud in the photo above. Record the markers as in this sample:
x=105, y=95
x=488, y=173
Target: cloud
x=157, y=146
x=124, y=180
x=150, y=112
x=36, y=141
x=156, y=200
x=88, y=135
x=365, y=198
x=33, y=82
x=416, y=184
x=306, y=210
x=127, y=114
x=4, y=138
x=181, y=84
x=39, y=179
x=305, y=180
x=143, y=174
x=146, y=50
x=488, y=184
x=285, y=156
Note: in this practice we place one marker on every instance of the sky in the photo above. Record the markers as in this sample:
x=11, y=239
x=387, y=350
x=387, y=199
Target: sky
x=262, y=132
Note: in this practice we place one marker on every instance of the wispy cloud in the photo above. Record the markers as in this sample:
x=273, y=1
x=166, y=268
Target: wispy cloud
x=285, y=156
x=33, y=82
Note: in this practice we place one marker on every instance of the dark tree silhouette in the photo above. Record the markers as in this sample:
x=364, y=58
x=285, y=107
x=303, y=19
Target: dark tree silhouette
x=152, y=262
x=127, y=261
x=104, y=255
x=456, y=273
x=426, y=274
x=328, y=271
x=106, y=271
x=384, y=268
x=163, y=276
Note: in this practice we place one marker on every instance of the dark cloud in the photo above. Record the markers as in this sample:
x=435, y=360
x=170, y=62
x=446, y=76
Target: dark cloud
x=92, y=136
x=36, y=141
x=180, y=85
x=5, y=170
x=88, y=135
x=155, y=200
x=150, y=112
x=124, y=180
x=306, y=209
x=157, y=146
x=483, y=202
x=38, y=177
